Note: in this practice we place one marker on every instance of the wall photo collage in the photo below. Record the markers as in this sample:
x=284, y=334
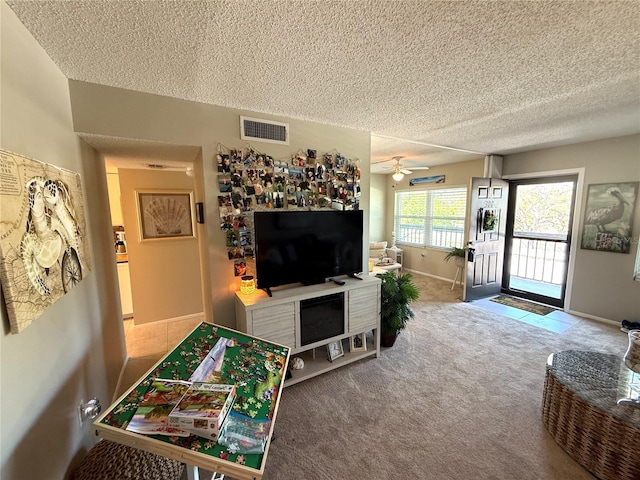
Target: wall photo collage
x=251, y=181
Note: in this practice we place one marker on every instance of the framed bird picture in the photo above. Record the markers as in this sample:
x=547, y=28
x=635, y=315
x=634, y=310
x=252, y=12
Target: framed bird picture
x=608, y=217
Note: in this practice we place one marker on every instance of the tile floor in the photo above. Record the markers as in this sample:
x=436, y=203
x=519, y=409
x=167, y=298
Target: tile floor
x=557, y=321
x=148, y=343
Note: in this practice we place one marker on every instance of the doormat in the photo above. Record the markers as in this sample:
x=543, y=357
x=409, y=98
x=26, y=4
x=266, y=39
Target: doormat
x=522, y=304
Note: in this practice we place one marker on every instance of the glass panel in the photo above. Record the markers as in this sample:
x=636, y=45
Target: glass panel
x=543, y=210
x=541, y=229
x=434, y=217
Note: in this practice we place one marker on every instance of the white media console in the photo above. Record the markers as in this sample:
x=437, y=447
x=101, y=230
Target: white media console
x=301, y=317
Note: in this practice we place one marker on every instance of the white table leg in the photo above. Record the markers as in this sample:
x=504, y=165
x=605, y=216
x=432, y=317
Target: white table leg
x=192, y=472
x=455, y=279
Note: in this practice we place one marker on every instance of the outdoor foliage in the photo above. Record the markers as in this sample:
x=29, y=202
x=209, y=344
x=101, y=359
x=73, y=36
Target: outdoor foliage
x=543, y=208
x=433, y=217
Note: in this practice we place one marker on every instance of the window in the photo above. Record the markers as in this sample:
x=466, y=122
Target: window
x=431, y=218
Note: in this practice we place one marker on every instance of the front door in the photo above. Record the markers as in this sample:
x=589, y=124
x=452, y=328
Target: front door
x=487, y=223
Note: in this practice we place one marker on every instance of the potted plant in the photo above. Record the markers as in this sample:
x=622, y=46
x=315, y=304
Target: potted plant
x=455, y=252
x=397, y=292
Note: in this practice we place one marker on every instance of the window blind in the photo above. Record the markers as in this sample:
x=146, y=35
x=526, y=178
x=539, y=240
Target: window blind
x=433, y=218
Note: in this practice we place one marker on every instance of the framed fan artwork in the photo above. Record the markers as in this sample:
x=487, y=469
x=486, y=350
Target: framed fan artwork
x=165, y=214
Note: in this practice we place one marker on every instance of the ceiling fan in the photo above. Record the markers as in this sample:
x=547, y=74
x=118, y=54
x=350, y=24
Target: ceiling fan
x=400, y=171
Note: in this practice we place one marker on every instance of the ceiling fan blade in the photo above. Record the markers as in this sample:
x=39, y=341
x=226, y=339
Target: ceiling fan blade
x=405, y=171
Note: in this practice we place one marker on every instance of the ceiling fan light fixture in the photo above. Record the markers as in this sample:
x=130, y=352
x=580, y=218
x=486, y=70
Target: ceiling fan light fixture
x=397, y=176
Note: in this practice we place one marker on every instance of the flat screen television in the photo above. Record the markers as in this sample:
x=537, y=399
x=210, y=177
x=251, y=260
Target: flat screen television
x=307, y=246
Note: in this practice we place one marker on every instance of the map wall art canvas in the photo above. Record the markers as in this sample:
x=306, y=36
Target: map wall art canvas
x=43, y=237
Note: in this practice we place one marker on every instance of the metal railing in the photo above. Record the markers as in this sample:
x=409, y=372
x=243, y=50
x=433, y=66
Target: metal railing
x=447, y=237
x=440, y=237
x=410, y=234
x=540, y=260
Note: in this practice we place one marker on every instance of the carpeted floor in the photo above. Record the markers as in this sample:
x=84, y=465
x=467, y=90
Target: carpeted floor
x=458, y=397
x=523, y=304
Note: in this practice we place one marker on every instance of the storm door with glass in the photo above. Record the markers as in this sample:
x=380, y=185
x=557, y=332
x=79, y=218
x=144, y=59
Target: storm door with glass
x=538, y=238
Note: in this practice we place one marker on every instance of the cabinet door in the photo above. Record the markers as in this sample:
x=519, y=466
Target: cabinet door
x=364, y=308
x=277, y=324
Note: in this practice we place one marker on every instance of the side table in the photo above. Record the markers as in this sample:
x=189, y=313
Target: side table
x=385, y=267
x=398, y=253
x=581, y=412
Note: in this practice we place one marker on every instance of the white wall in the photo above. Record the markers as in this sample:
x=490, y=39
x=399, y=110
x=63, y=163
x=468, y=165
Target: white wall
x=378, y=201
x=602, y=284
x=76, y=348
x=123, y=113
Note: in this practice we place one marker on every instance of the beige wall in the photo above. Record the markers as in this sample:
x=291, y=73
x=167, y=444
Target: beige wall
x=377, y=219
x=75, y=350
x=165, y=274
x=113, y=187
x=602, y=283
x=430, y=260
x=123, y=113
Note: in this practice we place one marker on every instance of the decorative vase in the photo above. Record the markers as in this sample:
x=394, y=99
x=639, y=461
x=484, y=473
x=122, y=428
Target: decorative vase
x=632, y=357
x=387, y=339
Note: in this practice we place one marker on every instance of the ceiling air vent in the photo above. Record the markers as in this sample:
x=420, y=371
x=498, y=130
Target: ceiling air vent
x=264, y=130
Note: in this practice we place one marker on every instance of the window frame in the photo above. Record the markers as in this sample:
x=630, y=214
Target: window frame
x=427, y=231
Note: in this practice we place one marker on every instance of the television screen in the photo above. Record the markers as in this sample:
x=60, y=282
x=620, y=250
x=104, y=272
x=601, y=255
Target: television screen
x=307, y=246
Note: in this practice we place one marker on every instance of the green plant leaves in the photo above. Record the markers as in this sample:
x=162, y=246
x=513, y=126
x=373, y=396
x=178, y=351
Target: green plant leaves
x=397, y=293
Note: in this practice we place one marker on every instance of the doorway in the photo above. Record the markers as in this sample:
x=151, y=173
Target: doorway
x=165, y=276
x=538, y=238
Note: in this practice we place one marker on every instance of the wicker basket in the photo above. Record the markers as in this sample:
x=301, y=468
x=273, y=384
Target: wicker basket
x=112, y=461
x=605, y=444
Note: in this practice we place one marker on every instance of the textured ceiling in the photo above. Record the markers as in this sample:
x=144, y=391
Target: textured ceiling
x=482, y=77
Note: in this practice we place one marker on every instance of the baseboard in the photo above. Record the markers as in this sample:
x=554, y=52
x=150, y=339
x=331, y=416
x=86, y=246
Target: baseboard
x=608, y=321
x=417, y=272
x=170, y=320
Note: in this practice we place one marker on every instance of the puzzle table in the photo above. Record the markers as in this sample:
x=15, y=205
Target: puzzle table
x=257, y=368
